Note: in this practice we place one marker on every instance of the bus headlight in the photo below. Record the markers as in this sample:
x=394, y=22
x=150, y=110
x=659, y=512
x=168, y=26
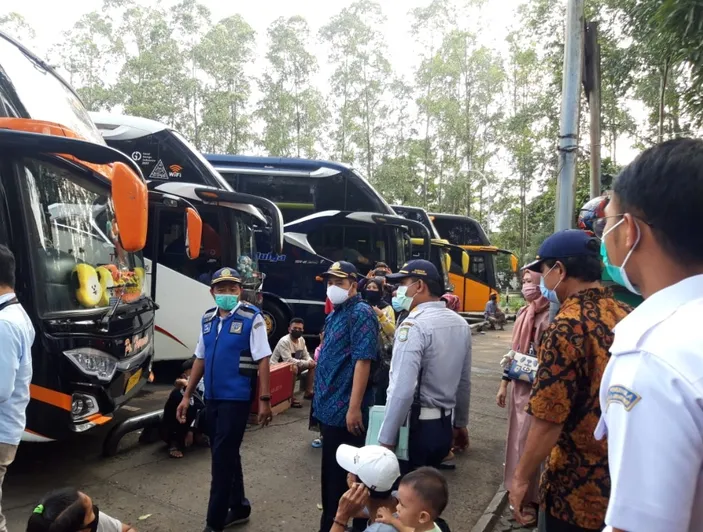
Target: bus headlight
x=83, y=406
x=93, y=362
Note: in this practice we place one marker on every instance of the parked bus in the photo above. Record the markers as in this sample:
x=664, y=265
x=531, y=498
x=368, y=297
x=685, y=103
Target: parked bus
x=77, y=223
x=476, y=286
x=173, y=166
x=329, y=199
x=448, y=258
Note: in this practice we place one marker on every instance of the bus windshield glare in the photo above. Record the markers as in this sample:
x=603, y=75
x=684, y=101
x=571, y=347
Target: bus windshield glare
x=78, y=261
x=43, y=95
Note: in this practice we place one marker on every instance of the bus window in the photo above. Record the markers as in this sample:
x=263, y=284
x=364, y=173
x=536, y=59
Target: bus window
x=478, y=268
x=461, y=231
x=73, y=225
x=356, y=244
x=172, y=244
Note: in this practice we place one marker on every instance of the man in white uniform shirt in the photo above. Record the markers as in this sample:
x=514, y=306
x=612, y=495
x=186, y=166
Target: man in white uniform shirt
x=292, y=348
x=652, y=390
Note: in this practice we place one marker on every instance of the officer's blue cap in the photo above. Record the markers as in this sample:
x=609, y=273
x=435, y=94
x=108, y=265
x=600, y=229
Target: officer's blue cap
x=342, y=269
x=422, y=269
x=225, y=275
x=565, y=244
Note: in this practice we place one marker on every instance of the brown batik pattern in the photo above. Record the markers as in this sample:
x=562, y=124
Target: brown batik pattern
x=573, y=355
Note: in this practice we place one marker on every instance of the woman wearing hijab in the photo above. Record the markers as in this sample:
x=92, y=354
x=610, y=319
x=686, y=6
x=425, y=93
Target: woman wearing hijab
x=373, y=294
x=531, y=322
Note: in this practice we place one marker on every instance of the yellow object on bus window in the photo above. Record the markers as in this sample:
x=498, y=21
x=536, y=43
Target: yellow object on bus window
x=465, y=262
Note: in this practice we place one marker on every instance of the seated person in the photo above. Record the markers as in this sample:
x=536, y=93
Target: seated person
x=178, y=435
x=70, y=510
x=292, y=348
x=422, y=497
x=493, y=314
x=372, y=472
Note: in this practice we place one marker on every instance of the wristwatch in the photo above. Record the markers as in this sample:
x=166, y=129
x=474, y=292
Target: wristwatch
x=265, y=398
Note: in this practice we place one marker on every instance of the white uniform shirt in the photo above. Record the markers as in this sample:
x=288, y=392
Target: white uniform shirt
x=258, y=338
x=652, y=400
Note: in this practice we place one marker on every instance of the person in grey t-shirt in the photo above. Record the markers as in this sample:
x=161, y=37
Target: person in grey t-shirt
x=75, y=511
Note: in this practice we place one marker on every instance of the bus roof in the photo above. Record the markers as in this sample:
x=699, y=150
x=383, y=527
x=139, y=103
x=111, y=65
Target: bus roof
x=460, y=229
x=279, y=163
x=125, y=127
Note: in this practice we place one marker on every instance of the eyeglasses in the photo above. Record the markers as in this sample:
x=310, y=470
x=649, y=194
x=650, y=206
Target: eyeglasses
x=599, y=225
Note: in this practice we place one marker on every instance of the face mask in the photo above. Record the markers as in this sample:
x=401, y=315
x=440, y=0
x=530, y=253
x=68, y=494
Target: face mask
x=531, y=292
x=226, y=301
x=373, y=297
x=296, y=334
x=337, y=295
x=550, y=295
x=618, y=273
x=401, y=301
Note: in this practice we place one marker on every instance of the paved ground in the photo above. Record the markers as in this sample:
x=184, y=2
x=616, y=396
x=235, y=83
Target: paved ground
x=281, y=469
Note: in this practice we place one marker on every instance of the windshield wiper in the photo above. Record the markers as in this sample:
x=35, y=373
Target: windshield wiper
x=107, y=318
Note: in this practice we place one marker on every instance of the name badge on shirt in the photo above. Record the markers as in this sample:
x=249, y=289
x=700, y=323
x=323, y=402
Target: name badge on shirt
x=207, y=327
x=626, y=397
x=236, y=327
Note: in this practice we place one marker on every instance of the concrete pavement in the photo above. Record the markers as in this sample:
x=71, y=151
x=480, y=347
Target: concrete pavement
x=281, y=468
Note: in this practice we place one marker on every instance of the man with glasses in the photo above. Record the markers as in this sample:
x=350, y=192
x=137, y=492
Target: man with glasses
x=652, y=389
x=565, y=405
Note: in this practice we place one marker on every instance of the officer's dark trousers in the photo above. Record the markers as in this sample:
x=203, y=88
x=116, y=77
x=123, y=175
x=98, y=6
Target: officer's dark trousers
x=227, y=421
x=334, y=478
x=429, y=443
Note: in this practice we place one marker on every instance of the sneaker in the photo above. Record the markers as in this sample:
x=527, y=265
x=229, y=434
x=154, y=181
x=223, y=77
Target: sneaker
x=238, y=517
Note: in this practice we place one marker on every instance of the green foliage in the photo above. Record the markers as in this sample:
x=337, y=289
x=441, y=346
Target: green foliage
x=292, y=109
x=471, y=130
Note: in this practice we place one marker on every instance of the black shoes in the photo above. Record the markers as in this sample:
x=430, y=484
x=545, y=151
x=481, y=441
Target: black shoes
x=238, y=516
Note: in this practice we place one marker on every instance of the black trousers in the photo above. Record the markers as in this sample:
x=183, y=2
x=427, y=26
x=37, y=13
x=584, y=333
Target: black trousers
x=334, y=478
x=173, y=432
x=429, y=443
x=227, y=421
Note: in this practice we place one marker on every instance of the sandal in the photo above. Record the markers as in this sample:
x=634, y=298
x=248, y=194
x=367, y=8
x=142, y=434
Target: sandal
x=532, y=512
x=175, y=452
x=294, y=403
x=308, y=396
x=316, y=443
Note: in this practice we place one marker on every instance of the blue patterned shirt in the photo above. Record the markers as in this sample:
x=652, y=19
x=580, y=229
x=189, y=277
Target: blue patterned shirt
x=341, y=349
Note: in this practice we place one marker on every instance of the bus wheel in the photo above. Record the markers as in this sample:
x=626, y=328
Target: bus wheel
x=276, y=321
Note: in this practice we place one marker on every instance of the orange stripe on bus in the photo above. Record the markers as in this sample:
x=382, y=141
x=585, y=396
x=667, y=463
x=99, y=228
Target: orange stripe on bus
x=99, y=419
x=52, y=397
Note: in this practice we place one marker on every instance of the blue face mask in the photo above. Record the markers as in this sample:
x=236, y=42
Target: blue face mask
x=226, y=301
x=400, y=301
x=618, y=273
x=550, y=295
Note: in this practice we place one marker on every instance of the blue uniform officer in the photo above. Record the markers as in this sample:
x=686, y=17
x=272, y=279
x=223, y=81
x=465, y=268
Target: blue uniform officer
x=233, y=347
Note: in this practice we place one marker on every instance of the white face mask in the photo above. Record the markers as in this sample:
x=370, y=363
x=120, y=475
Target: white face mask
x=337, y=295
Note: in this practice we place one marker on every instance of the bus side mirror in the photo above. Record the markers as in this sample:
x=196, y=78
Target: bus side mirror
x=193, y=233
x=465, y=262
x=130, y=199
x=513, y=263
x=447, y=262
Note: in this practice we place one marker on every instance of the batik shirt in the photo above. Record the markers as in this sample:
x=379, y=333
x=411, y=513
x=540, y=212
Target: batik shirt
x=573, y=354
x=351, y=334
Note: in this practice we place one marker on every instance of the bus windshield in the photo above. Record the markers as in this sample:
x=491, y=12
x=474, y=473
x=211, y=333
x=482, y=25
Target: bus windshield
x=460, y=230
x=78, y=261
x=42, y=94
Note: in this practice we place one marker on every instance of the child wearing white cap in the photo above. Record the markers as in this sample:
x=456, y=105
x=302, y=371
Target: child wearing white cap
x=373, y=471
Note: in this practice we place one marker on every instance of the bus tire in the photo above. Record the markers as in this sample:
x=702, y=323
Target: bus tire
x=276, y=320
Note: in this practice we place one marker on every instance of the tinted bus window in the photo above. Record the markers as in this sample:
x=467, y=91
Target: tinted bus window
x=415, y=215
x=461, y=232
x=300, y=196
x=478, y=268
